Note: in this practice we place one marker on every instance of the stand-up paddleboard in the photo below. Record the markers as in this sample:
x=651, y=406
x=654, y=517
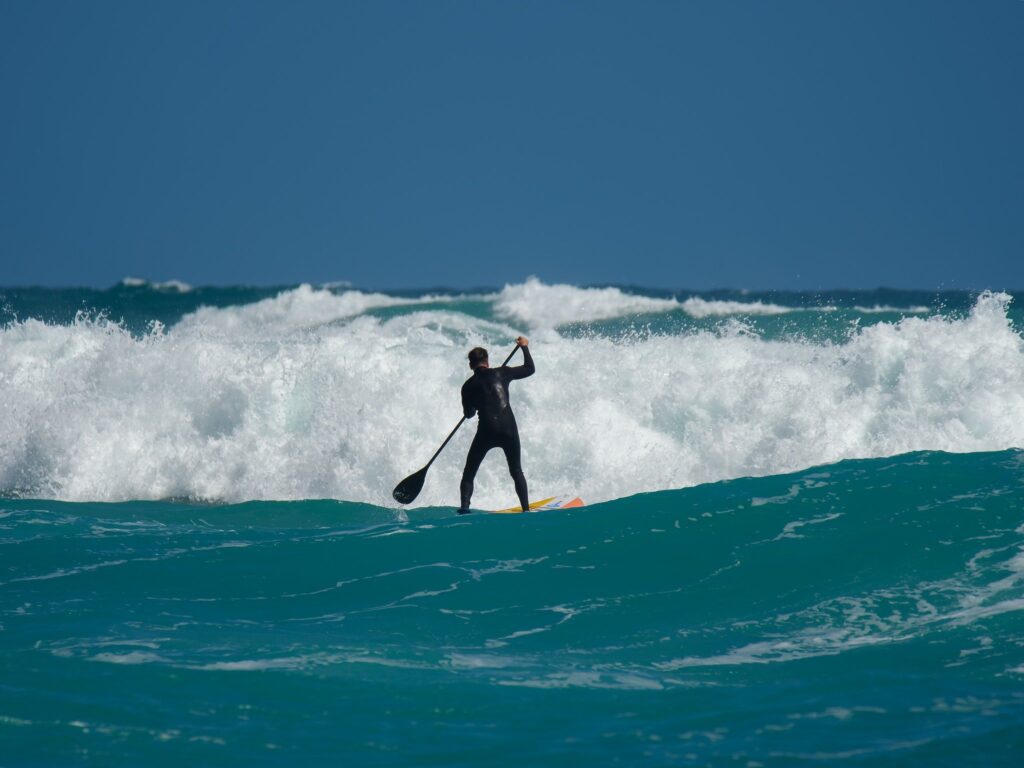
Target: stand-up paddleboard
x=555, y=502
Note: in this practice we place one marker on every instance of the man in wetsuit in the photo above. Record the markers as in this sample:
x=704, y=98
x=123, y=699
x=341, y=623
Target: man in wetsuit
x=486, y=391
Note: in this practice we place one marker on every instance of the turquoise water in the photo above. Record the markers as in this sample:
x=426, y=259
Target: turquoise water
x=868, y=611
x=804, y=541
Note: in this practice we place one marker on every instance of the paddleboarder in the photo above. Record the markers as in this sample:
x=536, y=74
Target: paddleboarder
x=486, y=393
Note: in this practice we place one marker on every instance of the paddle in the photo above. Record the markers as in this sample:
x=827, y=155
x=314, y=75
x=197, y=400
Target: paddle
x=407, y=490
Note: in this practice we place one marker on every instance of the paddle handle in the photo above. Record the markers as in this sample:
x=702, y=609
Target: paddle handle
x=452, y=433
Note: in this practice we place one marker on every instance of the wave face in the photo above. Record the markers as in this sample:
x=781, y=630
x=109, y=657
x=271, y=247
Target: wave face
x=159, y=392
x=867, y=612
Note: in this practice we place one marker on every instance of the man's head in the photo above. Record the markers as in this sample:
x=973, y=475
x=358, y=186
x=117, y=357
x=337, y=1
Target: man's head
x=478, y=357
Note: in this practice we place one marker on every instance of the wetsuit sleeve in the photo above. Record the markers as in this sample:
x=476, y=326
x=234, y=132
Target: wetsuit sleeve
x=468, y=409
x=521, y=371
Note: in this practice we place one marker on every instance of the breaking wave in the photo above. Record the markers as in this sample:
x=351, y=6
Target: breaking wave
x=314, y=393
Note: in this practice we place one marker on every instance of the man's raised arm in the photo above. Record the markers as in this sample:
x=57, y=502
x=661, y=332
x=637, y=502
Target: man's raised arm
x=527, y=368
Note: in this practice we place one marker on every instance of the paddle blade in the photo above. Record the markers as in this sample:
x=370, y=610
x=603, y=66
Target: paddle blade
x=407, y=490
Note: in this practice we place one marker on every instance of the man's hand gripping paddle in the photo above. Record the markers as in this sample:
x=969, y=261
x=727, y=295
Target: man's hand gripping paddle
x=407, y=490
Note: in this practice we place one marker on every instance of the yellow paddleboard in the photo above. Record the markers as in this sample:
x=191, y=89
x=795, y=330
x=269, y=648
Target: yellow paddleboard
x=555, y=502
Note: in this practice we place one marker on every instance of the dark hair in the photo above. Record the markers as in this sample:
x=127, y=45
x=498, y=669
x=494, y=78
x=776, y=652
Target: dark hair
x=477, y=355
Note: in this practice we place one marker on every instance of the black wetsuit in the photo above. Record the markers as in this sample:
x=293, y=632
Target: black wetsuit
x=487, y=392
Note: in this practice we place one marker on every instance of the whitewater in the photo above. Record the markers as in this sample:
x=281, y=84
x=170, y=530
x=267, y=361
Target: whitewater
x=336, y=393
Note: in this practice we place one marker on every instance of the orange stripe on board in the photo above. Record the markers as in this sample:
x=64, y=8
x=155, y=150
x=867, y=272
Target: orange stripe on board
x=545, y=504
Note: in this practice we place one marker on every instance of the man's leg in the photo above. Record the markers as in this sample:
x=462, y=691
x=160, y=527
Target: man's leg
x=477, y=451
x=510, y=444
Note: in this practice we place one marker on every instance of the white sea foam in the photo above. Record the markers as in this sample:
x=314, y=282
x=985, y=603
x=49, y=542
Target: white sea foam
x=130, y=658
x=700, y=308
x=173, y=285
x=588, y=679
x=249, y=665
x=166, y=285
x=543, y=306
x=300, y=308
x=298, y=397
x=881, y=308
x=547, y=306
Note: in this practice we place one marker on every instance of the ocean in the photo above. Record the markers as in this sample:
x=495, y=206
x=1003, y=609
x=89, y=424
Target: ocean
x=804, y=539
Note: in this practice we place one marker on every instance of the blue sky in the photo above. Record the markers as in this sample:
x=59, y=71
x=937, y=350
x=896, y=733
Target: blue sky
x=419, y=144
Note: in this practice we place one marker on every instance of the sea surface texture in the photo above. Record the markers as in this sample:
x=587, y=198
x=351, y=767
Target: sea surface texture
x=804, y=542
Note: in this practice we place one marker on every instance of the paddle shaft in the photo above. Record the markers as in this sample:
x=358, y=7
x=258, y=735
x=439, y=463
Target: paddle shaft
x=452, y=433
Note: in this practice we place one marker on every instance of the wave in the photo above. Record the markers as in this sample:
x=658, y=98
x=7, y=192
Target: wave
x=549, y=306
x=300, y=308
x=785, y=619
x=542, y=306
x=533, y=306
x=302, y=395
x=167, y=285
x=698, y=307
x=739, y=533
x=881, y=309
x=741, y=621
